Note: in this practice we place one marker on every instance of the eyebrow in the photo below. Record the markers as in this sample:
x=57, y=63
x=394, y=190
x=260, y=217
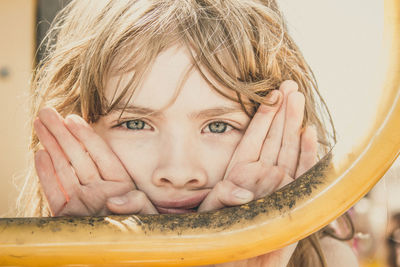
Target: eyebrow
x=214, y=112
x=206, y=113
x=137, y=111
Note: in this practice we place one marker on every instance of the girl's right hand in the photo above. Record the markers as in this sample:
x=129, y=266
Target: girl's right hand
x=79, y=173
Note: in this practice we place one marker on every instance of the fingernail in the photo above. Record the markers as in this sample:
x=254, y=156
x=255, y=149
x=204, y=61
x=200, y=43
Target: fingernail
x=273, y=96
x=118, y=200
x=243, y=194
x=77, y=119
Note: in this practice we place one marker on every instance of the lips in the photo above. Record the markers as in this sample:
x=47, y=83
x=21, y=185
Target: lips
x=162, y=210
x=182, y=204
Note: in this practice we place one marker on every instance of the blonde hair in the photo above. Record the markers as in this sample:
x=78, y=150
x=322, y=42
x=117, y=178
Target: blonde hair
x=89, y=40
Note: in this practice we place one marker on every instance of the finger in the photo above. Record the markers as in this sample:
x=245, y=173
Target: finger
x=51, y=185
x=110, y=189
x=61, y=165
x=133, y=202
x=254, y=177
x=109, y=166
x=309, y=150
x=246, y=175
x=249, y=147
x=269, y=183
x=280, y=257
x=257, y=178
x=272, y=144
x=290, y=148
x=225, y=193
x=84, y=166
x=285, y=181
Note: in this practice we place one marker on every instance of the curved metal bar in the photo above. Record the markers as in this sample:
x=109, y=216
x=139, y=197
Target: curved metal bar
x=302, y=207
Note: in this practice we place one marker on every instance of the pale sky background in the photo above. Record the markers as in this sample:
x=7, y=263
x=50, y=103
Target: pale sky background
x=342, y=41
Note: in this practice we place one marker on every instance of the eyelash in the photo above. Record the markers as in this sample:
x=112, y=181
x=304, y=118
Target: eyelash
x=206, y=129
x=124, y=125
x=227, y=128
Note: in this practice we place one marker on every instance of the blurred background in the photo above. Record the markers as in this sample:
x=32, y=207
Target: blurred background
x=23, y=24
x=343, y=43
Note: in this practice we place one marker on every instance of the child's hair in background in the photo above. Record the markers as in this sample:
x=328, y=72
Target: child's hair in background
x=242, y=45
x=393, y=241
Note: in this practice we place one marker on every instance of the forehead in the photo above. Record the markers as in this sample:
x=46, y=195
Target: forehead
x=171, y=81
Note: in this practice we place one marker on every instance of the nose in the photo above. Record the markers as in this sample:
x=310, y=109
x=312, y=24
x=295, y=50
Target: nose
x=179, y=164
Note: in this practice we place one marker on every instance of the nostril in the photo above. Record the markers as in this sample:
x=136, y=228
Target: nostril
x=178, y=182
x=165, y=181
x=194, y=183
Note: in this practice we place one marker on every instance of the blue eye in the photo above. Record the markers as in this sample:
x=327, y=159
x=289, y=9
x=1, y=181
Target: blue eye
x=135, y=124
x=218, y=127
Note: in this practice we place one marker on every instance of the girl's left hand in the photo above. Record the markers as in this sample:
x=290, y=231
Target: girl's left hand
x=272, y=153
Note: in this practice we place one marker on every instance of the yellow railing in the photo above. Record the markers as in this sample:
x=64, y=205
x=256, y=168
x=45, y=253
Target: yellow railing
x=297, y=210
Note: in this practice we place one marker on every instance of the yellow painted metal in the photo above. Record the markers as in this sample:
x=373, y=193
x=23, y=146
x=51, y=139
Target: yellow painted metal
x=299, y=209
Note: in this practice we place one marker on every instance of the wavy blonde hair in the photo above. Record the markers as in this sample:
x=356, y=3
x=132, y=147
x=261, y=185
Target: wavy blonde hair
x=243, y=45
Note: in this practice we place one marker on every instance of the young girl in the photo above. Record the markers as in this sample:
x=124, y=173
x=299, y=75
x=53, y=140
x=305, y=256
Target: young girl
x=171, y=106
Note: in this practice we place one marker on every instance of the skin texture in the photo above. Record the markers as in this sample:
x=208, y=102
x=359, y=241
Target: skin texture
x=194, y=152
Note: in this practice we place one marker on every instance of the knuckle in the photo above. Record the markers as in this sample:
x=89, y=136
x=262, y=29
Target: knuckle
x=223, y=187
x=238, y=175
x=64, y=171
x=219, y=186
x=265, y=165
x=296, y=94
x=291, y=141
x=266, y=109
x=271, y=136
x=76, y=190
x=233, y=176
x=127, y=185
x=279, y=171
x=139, y=196
x=92, y=176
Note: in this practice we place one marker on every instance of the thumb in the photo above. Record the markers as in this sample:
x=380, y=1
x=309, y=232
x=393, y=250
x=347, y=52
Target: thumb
x=225, y=193
x=133, y=202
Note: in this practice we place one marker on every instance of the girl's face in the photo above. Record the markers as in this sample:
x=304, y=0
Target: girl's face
x=177, y=154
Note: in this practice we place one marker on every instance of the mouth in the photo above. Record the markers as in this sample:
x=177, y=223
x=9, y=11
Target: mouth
x=162, y=210
x=183, y=205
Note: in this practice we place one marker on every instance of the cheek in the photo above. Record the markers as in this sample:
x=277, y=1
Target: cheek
x=216, y=155
x=136, y=156
x=140, y=158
